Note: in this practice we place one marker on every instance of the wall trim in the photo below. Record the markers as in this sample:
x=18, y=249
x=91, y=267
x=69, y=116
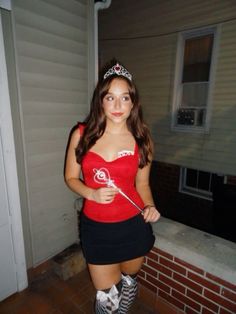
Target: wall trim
x=9, y=156
x=201, y=249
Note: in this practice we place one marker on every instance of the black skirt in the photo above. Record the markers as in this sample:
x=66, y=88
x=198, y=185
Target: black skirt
x=109, y=243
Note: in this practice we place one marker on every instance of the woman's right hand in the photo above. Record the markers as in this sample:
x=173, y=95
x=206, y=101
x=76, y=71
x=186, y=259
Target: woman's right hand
x=104, y=195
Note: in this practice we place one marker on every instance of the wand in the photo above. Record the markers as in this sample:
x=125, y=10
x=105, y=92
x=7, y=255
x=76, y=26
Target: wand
x=102, y=176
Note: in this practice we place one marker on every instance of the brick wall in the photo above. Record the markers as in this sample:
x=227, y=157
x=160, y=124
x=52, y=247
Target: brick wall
x=188, y=288
x=231, y=180
x=189, y=210
x=193, y=211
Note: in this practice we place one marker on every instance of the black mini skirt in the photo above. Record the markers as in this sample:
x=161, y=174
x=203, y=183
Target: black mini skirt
x=109, y=243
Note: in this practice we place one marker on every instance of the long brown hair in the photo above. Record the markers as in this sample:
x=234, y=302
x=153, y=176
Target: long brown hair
x=96, y=120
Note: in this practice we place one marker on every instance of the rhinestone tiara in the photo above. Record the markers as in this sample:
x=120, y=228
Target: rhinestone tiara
x=118, y=70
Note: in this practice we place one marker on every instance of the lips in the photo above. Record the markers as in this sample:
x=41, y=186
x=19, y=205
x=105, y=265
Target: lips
x=117, y=114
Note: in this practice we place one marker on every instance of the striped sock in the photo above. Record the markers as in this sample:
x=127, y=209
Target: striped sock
x=128, y=292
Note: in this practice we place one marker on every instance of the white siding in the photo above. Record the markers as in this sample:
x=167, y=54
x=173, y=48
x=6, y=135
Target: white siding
x=144, y=37
x=52, y=47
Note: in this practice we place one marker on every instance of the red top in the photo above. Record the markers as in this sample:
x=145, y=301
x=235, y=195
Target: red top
x=122, y=171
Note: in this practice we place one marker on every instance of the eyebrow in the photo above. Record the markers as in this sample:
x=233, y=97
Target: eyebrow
x=125, y=93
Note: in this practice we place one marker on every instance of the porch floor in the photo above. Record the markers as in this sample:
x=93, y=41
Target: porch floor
x=48, y=294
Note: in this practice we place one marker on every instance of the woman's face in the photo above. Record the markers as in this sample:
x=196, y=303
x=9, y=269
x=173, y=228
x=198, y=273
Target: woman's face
x=117, y=103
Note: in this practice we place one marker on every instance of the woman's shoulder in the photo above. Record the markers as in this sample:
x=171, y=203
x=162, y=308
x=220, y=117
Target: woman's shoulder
x=80, y=127
x=78, y=132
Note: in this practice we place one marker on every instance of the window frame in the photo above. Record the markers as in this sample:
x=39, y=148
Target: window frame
x=183, y=188
x=177, y=94
x=196, y=192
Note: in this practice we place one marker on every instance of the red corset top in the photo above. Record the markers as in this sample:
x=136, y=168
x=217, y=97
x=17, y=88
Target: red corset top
x=122, y=171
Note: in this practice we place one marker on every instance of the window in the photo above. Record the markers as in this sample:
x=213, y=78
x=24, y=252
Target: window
x=198, y=183
x=193, y=79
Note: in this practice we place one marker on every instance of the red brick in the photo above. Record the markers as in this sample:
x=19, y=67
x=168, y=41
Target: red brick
x=200, y=299
x=204, y=282
x=149, y=270
x=171, y=300
x=223, y=311
x=142, y=274
x=231, y=180
x=221, y=301
x=152, y=263
x=173, y=266
x=206, y=311
x=190, y=266
x=188, y=283
x=158, y=284
x=147, y=285
x=172, y=283
x=159, y=268
x=167, y=255
x=229, y=295
x=221, y=281
x=190, y=311
x=186, y=300
x=153, y=256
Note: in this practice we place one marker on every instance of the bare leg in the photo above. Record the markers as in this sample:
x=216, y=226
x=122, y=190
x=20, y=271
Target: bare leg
x=132, y=266
x=107, y=281
x=104, y=276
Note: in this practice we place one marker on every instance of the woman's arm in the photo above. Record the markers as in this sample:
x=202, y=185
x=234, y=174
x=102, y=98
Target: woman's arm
x=151, y=214
x=73, y=169
x=72, y=176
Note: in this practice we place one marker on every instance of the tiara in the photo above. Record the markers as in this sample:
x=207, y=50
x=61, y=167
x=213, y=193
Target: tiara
x=118, y=70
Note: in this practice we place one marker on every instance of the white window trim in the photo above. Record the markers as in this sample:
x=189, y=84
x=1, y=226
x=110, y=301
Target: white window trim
x=195, y=191
x=178, y=78
x=189, y=190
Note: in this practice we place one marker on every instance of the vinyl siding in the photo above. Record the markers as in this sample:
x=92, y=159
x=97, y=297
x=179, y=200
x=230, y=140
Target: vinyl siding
x=145, y=37
x=52, y=52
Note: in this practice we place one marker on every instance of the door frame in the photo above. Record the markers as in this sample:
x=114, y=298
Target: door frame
x=9, y=157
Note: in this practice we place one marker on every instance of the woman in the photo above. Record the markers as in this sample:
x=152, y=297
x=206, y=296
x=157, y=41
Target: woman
x=113, y=151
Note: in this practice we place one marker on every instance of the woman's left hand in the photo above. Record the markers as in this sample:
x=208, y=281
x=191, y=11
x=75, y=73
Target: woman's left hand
x=151, y=214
